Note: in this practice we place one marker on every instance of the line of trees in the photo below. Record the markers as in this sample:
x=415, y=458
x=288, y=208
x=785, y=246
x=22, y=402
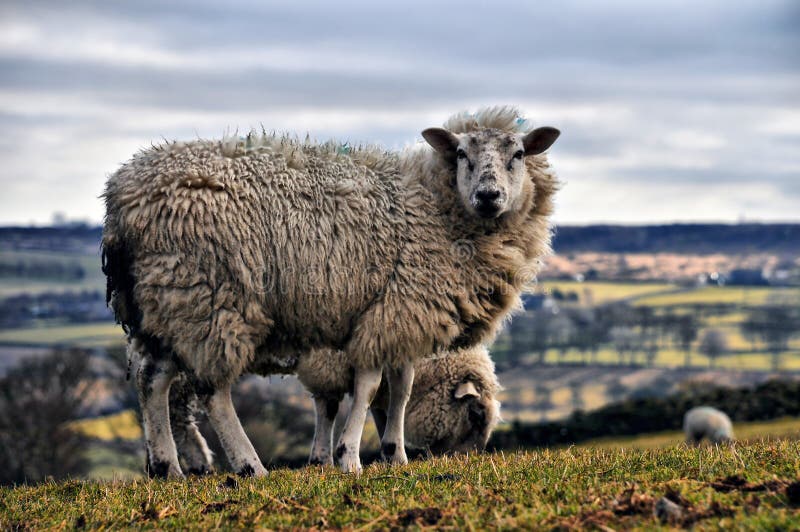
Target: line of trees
x=638, y=333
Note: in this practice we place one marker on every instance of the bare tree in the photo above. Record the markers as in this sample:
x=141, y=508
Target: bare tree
x=37, y=400
x=713, y=344
x=561, y=333
x=624, y=340
x=774, y=325
x=542, y=402
x=576, y=395
x=686, y=332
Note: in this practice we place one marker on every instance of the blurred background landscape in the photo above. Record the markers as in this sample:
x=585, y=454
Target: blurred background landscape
x=628, y=327
x=676, y=274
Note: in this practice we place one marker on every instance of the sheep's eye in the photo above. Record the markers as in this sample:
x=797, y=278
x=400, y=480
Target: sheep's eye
x=461, y=154
x=519, y=154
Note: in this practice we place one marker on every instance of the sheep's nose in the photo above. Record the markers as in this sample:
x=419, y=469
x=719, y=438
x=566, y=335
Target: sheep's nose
x=487, y=196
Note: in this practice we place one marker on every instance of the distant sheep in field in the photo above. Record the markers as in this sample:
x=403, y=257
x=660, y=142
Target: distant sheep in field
x=453, y=406
x=707, y=422
x=226, y=255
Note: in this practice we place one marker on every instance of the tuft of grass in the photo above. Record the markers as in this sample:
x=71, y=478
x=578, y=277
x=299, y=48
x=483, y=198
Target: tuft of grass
x=748, y=487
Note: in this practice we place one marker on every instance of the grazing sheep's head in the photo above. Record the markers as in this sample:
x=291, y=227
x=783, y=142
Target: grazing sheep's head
x=490, y=172
x=468, y=419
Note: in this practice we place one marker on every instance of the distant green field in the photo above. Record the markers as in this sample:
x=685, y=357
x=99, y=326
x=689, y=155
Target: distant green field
x=665, y=294
x=601, y=292
x=93, y=280
x=785, y=428
x=120, y=425
x=675, y=358
x=87, y=335
x=108, y=464
x=720, y=294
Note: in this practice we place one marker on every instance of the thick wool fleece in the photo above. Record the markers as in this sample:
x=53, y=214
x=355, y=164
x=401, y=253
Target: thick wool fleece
x=245, y=251
x=433, y=414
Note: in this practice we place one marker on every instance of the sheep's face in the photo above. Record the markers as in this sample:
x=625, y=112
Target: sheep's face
x=467, y=420
x=490, y=173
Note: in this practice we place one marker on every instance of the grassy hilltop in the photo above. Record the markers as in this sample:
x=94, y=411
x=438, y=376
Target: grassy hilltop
x=748, y=487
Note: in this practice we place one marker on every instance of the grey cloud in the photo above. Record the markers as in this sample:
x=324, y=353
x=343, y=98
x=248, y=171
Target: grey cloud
x=712, y=68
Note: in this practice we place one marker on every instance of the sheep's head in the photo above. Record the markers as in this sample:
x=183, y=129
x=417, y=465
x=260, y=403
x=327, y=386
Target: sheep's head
x=468, y=417
x=490, y=174
x=481, y=411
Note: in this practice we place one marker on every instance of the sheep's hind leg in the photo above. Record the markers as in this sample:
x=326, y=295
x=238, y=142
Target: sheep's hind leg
x=366, y=386
x=153, y=379
x=192, y=446
x=240, y=452
x=326, y=409
x=393, y=440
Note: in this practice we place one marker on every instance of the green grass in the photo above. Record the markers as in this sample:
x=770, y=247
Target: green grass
x=92, y=334
x=567, y=488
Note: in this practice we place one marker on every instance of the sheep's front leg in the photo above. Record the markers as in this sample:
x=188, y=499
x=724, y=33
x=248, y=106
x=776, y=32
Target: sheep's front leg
x=153, y=380
x=366, y=386
x=393, y=441
x=326, y=410
x=240, y=452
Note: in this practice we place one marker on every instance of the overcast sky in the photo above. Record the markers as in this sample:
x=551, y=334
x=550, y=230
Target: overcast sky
x=669, y=111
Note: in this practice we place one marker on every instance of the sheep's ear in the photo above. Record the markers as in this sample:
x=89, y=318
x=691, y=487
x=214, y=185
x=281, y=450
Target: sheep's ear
x=466, y=389
x=539, y=140
x=441, y=140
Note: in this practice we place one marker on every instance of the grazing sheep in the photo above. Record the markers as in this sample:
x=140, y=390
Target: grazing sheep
x=707, y=422
x=453, y=406
x=242, y=252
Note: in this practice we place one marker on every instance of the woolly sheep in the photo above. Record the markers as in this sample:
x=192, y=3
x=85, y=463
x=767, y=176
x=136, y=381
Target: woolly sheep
x=453, y=406
x=707, y=422
x=222, y=255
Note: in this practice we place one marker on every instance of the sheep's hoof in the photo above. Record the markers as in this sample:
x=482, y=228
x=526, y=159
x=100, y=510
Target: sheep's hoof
x=163, y=469
x=325, y=460
x=352, y=465
x=256, y=470
x=393, y=454
x=200, y=471
x=349, y=461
